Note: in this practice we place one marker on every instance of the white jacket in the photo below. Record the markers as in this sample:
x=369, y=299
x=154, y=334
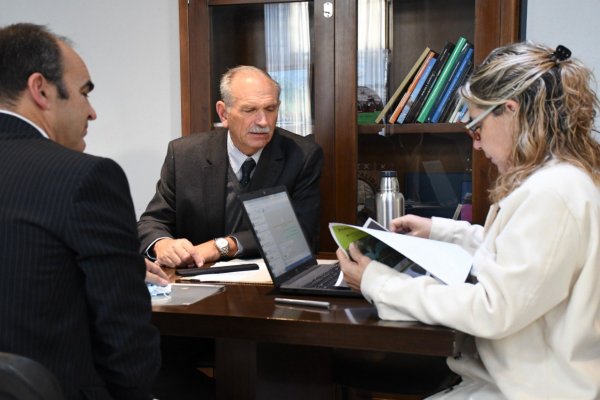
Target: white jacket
x=535, y=311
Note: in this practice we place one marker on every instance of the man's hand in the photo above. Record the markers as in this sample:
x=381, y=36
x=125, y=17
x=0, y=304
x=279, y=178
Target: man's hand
x=155, y=274
x=208, y=251
x=175, y=253
x=353, y=270
x=182, y=253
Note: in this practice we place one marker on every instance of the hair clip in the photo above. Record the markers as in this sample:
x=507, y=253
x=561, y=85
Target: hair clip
x=561, y=53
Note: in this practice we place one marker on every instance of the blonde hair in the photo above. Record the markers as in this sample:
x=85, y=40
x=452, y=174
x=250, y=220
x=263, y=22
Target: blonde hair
x=556, y=112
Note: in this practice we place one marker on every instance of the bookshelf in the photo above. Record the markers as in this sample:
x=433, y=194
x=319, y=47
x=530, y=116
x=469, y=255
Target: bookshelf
x=215, y=34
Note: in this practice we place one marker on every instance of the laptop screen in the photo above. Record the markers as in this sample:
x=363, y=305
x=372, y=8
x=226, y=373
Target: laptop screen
x=278, y=231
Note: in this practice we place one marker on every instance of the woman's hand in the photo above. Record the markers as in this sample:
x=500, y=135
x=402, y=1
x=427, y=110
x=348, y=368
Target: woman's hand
x=412, y=225
x=353, y=270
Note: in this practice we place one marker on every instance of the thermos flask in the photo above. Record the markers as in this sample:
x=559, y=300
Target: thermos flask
x=389, y=200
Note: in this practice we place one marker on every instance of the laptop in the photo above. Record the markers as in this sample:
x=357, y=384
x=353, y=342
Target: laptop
x=287, y=255
x=442, y=187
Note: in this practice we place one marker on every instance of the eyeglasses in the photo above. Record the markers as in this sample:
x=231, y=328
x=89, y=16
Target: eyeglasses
x=471, y=126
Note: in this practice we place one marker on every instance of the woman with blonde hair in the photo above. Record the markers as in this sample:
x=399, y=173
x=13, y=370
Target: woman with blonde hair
x=533, y=306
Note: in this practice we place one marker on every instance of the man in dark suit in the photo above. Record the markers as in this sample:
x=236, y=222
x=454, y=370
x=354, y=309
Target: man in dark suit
x=72, y=292
x=195, y=216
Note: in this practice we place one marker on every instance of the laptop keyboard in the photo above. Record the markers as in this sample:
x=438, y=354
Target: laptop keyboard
x=325, y=280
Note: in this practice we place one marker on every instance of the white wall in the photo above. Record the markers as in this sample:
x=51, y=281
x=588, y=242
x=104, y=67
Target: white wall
x=131, y=49
x=573, y=24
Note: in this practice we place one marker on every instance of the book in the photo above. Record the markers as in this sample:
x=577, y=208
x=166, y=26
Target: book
x=446, y=87
x=415, y=93
x=453, y=85
x=410, y=88
x=401, y=87
x=449, y=108
x=451, y=75
x=447, y=262
x=455, y=97
x=463, y=114
x=428, y=85
x=456, y=110
x=441, y=80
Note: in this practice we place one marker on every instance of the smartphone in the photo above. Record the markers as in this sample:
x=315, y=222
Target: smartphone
x=216, y=270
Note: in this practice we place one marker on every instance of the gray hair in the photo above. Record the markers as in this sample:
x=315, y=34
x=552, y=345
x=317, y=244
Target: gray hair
x=227, y=79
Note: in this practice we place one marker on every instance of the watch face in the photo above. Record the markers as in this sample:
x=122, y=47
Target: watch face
x=223, y=246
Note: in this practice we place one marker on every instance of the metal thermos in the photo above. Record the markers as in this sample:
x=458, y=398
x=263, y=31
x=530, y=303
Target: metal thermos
x=389, y=200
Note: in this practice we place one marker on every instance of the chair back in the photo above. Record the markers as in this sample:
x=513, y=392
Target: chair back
x=22, y=378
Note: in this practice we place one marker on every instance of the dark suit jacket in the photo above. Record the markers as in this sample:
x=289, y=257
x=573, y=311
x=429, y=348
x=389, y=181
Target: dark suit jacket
x=72, y=291
x=191, y=193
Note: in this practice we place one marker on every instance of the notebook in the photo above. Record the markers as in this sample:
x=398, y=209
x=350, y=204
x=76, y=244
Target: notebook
x=287, y=255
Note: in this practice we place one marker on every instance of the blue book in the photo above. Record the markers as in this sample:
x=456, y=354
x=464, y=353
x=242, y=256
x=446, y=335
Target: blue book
x=452, y=86
x=451, y=106
x=416, y=91
x=439, y=64
x=462, y=112
x=461, y=55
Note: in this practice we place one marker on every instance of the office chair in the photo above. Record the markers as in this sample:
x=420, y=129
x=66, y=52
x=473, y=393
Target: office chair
x=22, y=378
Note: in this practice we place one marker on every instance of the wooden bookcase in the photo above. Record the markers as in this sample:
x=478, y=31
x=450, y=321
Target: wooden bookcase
x=216, y=34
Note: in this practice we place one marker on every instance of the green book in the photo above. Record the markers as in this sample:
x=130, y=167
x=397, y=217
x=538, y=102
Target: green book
x=413, y=113
x=441, y=81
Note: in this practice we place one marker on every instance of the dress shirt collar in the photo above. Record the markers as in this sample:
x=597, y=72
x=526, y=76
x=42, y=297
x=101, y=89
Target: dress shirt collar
x=44, y=134
x=237, y=158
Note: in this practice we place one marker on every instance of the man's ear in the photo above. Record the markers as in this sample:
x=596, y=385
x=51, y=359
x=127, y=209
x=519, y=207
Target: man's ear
x=222, y=112
x=38, y=88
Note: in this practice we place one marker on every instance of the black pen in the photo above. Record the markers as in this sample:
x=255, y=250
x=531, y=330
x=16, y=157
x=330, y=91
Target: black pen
x=300, y=302
x=216, y=270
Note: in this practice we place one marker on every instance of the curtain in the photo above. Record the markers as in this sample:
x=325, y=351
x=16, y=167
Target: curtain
x=373, y=54
x=287, y=40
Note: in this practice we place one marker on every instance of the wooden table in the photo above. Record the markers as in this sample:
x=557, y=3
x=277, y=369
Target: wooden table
x=265, y=350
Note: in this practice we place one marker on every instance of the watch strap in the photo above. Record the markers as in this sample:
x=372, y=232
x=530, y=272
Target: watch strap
x=223, y=250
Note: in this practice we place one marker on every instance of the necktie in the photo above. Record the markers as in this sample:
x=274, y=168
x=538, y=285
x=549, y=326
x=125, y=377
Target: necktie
x=247, y=168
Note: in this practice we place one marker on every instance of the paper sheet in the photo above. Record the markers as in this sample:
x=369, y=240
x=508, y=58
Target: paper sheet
x=448, y=262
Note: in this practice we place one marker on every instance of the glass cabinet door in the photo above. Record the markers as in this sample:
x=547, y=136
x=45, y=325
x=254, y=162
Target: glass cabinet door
x=277, y=37
x=358, y=53
x=293, y=40
x=433, y=161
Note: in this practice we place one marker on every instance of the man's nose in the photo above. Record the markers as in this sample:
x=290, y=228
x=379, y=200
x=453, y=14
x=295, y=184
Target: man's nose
x=261, y=118
x=92, y=115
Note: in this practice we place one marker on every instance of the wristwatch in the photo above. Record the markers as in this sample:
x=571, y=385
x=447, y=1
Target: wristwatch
x=222, y=245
